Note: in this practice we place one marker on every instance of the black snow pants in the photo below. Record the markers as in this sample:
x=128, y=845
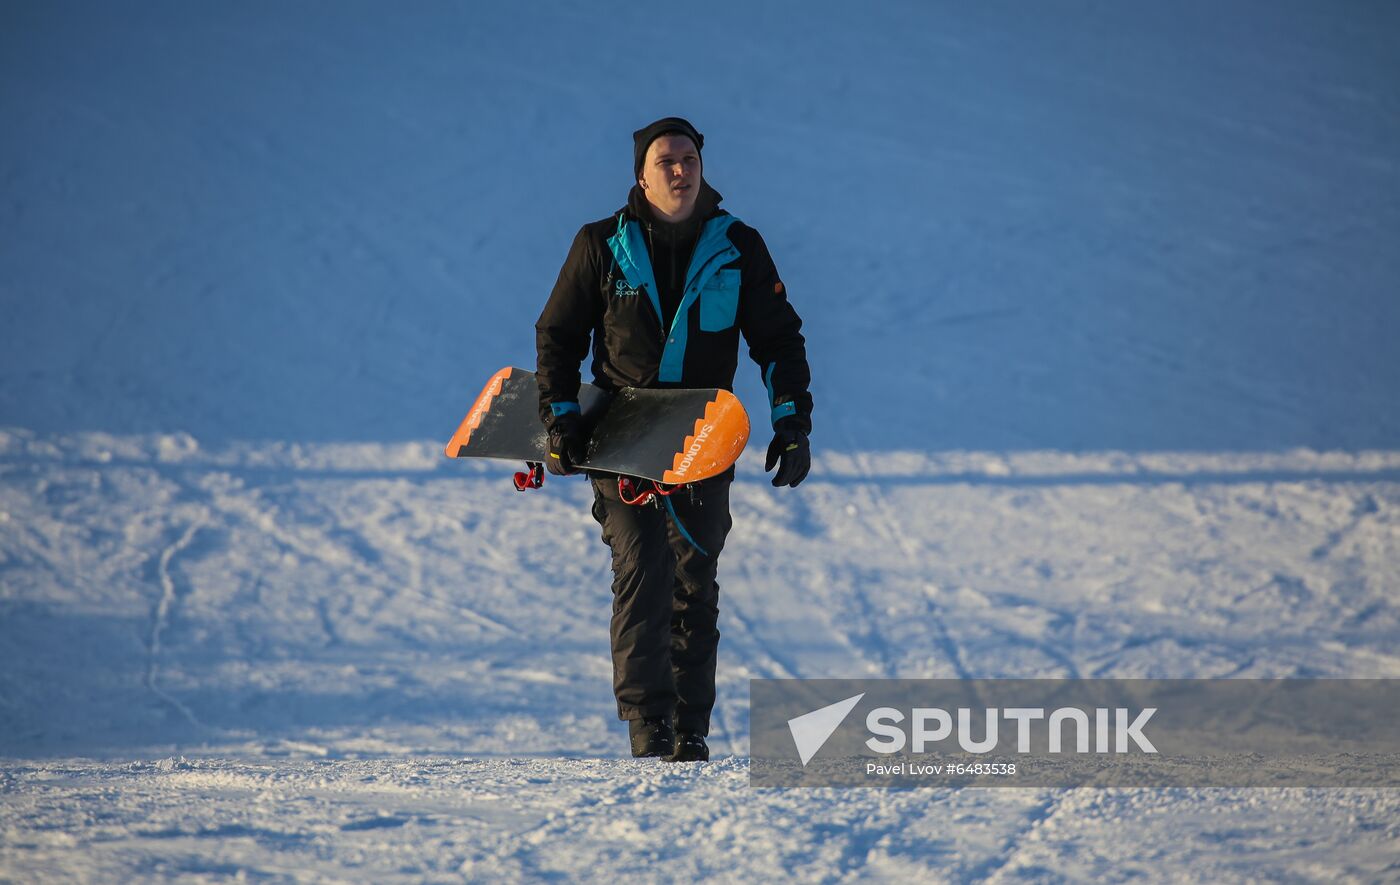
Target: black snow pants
x=665, y=598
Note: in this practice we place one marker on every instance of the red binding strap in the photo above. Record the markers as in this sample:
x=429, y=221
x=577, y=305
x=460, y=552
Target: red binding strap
x=637, y=494
x=530, y=478
x=630, y=494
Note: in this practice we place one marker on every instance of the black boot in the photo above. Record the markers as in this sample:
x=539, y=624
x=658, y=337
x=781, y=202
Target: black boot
x=652, y=736
x=691, y=747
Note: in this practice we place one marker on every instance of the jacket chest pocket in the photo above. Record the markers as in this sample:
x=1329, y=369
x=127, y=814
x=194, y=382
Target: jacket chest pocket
x=719, y=301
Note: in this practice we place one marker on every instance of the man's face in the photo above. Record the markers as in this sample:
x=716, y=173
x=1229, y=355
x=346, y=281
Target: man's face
x=671, y=176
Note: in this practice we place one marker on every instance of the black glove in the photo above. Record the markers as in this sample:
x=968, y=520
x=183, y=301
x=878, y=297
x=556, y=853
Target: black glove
x=789, y=446
x=568, y=444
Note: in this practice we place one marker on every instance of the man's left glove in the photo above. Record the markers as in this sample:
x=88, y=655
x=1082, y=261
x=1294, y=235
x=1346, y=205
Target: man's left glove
x=791, y=451
x=568, y=444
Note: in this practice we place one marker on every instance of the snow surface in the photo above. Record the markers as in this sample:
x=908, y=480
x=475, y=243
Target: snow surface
x=1102, y=311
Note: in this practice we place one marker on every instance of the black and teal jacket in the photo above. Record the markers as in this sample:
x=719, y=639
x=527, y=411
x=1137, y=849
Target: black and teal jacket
x=684, y=333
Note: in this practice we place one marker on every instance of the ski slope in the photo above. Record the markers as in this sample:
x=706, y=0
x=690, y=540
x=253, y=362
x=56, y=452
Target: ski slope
x=1100, y=303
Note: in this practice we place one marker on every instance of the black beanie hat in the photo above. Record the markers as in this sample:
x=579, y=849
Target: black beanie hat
x=642, y=138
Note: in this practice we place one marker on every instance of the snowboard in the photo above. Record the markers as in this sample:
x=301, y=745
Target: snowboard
x=666, y=436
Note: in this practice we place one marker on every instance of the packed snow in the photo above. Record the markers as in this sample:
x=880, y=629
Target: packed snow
x=1101, y=309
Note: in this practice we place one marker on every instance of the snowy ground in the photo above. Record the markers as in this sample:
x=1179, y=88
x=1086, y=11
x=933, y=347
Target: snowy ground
x=1101, y=308
x=353, y=663
x=446, y=819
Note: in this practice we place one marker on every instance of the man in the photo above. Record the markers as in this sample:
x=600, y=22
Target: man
x=664, y=287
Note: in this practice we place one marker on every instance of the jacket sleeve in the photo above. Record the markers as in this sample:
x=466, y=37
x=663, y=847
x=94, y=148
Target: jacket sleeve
x=773, y=331
x=563, y=331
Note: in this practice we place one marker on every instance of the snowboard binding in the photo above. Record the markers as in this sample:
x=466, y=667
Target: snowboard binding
x=532, y=477
x=636, y=493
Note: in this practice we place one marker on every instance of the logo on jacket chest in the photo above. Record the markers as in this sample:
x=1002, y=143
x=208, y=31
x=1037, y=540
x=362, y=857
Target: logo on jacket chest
x=621, y=289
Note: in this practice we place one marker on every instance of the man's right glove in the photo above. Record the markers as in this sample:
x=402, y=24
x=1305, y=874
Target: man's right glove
x=568, y=444
x=789, y=446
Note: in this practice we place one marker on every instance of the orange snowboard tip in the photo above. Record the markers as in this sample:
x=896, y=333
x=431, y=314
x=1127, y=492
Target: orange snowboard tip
x=478, y=412
x=717, y=441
